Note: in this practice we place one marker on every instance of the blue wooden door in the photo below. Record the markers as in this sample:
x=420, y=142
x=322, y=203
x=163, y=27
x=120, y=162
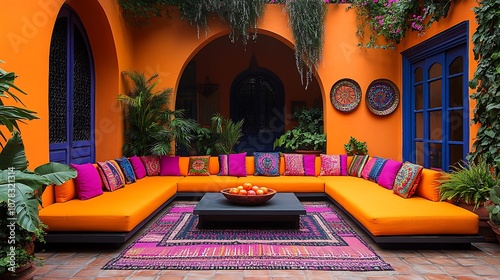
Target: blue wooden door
x=71, y=92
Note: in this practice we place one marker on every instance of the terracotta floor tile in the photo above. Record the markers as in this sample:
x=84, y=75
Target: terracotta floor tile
x=417, y=260
x=469, y=277
x=240, y=275
x=88, y=272
x=428, y=269
x=469, y=261
x=438, y=277
x=257, y=273
x=484, y=270
x=457, y=270
x=408, y=277
x=115, y=273
x=323, y=275
x=443, y=261
x=170, y=278
x=59, y=272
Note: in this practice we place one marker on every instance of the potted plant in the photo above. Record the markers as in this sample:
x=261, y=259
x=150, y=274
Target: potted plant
x=21, y=189
x=493, y=207
x=468, y=185
x=307, y=135
x=355, y=147
x=150, y=125
x=226, y=133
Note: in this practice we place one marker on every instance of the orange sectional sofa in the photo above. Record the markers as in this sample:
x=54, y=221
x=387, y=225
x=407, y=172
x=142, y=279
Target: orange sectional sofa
x=114, y=217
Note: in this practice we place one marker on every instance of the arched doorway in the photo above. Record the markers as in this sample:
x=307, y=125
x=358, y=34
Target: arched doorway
x=257, y=96
x=71, y=92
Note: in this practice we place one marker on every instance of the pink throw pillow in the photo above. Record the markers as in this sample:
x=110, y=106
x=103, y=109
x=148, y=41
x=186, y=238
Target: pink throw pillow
x=388, y=174
x=368, y=167
x=333, y=165
x=237, y=165
x=169, y=166
x=152, y=164
x=310, y=165
x=87, y=182
x=294, y=164
x=138, y=166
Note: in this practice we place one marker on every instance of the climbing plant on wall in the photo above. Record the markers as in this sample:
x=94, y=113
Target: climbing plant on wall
x=486, y=82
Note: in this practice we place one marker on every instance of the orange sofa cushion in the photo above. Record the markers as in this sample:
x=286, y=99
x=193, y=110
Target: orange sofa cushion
x=286, y=183
x=384, y=213
x=118, y=211
x=212, y=183
x=65, y=191
x=428, y=187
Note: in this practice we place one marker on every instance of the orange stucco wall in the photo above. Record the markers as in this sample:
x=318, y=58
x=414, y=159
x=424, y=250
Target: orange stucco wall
x=166, y=46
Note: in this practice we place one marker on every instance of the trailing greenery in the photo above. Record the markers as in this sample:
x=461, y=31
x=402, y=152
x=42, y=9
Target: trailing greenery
x=494, y=205
x=486, y=82
x=150, y=125
x=11, y=115
x=307, y=21
x=469, y=182
x=307, y=135
x=355, y=147
x=227, y=133
x=392, y=19
x=139, y=12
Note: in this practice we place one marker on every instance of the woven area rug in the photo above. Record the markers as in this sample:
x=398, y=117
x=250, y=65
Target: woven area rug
x=324, y=241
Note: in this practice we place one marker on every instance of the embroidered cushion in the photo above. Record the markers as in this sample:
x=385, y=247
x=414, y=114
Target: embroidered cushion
x=368, y=167
x=294, y=164
x=110, y=175
x=333, y=165
x=198, y=166
x=267, y=164
x=376, y=169
x=407, y=179
x=309, y=165
x=87, y=182
x=169, y=166
x=357, y=164
x=152, y=165
x=65, y=191
x=127, y=169
x=138, y=166
x=233, y=165
x=388, y=173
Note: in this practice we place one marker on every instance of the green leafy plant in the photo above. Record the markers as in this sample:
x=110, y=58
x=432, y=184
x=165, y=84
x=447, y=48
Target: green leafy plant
x=11, y=115
x=486, y=82
x=150, y=125
x=227, y=133
x=307, y=135
x=493, y=206
x=392, y=19
x=307, y=21
x=355, y=147
x=469, y=182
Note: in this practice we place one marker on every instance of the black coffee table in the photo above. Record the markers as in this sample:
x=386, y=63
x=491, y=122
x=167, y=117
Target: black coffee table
x=283, y=208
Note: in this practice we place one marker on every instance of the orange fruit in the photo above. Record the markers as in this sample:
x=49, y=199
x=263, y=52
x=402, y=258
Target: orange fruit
x=239, y=187
x=234, y=191
x=259, y=192
x=242, y=192
x=255, y=188
x=247, y=186
x=251, y=193
x=264, y=190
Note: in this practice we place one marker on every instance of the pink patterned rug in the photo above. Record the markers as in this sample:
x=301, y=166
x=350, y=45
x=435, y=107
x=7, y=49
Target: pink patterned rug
x=324, y=241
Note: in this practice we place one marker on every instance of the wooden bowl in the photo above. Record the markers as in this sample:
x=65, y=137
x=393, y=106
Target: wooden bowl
x=248, y=200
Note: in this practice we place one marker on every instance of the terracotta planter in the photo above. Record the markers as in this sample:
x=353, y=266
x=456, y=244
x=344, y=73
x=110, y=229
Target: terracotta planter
x=26, y=272
x=484, y=228
x=494, y=228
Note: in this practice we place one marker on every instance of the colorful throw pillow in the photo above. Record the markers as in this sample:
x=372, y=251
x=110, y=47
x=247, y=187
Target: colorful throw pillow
x=138, y=166
x=407, y=179
x=110, y=175
x=127, y=169
x=152, y=164
x=333, y=165
x=169, y=166
x=309, y=165
x=368, y=167
x=266, y=164
x=233, y=165
x=198, y=166
x=388, y=174
x=87, y=182
x=376, y=169
x=357, y=164
x=294, y=164
x=65, y=191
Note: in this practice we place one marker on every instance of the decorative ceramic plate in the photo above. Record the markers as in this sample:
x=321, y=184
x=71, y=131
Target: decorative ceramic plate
x=345, y=95
x=382, y=97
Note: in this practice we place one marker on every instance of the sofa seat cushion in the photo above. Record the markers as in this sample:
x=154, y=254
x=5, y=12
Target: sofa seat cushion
x=118, y=211
x=286, y=183
x=384, y=213
x=212, y=183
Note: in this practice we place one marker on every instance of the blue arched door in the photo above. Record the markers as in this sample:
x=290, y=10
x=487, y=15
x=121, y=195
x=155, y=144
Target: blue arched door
x=257, y=96
x=71, y=92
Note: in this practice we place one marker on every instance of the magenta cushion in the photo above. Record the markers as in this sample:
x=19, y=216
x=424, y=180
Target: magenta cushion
x=310, y=165
x=333, y=165
x=388, y=174
x=152, y=165
x=237, y=165
x=87, y=182
x=169, y=166
x=138, y=166
x=294, y=164
x=223, y=165
x=367, y=168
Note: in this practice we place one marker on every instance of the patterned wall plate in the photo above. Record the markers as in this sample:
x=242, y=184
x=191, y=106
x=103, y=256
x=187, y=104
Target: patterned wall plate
x=382, y=97
x=345, y=95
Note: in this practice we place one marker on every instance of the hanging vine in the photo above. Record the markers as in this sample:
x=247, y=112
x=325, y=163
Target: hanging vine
x=486, y=82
